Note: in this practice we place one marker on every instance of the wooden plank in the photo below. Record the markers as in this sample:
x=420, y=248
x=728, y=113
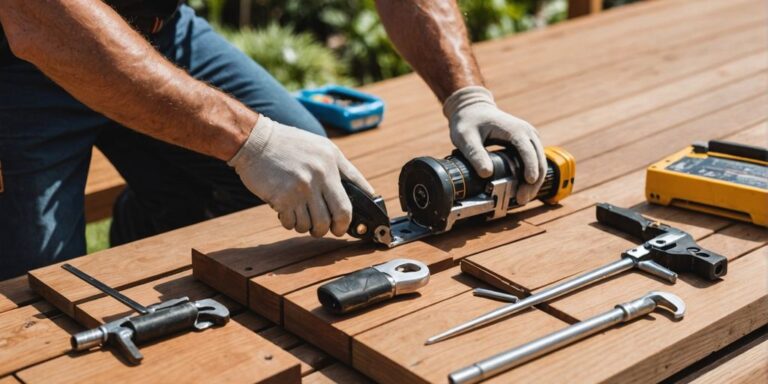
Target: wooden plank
x=312, y=359
x=32, y=334
x=9, y=380
x=395, y=352
x=305, y=317
x=266, y=291
x=231, y=353
x=585, y=45
x=573, y=244
x=336, y=374
x=746, y=367
x=15, y=293
x=578, y=8
x=660, y=107
x=102, y=187
x=642, y=152
x=717, y=314
x=144, y=260
x=228, y=264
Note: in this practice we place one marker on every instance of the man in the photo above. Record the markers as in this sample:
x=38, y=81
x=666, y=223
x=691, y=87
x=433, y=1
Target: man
x=192, y=124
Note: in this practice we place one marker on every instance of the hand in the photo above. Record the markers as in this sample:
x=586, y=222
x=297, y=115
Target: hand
x=299, y=175
x=474, y=118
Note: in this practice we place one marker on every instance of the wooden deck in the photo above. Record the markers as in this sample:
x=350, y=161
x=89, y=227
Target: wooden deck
x=619, y=90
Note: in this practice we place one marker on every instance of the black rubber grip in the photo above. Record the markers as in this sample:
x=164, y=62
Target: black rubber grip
x=740, y=150
x=628, y=221
x=164, y=322
x=356, y=290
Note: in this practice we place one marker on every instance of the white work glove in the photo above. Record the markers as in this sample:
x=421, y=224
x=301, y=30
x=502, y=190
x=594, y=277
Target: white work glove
x=299, y=175
x=474, y=118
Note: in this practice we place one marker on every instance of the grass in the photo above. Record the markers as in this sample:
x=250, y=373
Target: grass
x=97, y=235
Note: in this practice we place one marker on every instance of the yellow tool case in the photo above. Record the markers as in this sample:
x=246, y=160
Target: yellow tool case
x=721, y=178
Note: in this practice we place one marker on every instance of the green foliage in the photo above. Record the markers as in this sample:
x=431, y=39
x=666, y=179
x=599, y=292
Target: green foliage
x=295, y=59
x=97, y=235
x=353, y=31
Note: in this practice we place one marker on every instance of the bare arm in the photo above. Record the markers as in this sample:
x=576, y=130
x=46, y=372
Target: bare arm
x=432, y=37
x=91, y=52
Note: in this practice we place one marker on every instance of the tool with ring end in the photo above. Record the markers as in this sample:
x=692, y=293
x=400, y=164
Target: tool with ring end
x=622, y=313
x=665, y=251
x=154, y=321
x=438, y=193
x=372, y=285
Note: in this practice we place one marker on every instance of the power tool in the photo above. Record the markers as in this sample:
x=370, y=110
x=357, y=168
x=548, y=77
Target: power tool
x=342, y=107
x=437, y=193
x=153, y=322
x=719, y=177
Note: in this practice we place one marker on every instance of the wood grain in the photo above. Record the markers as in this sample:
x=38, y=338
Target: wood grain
x=654, y=347
x=32, y=334
x=311, y=358
x=227, y=265
x=231, y=353
x=395, y=352
x=15, y=292
x=95, y=312
x=747, y=367
x=336, y=374
x=141, y=261
x=266, y=291
x=9, y=380
x=305, y=317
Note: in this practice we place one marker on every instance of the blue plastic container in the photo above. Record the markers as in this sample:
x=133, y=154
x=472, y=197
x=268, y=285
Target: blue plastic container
x=343, y=108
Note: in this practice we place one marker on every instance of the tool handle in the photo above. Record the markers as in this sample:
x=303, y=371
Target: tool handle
x=368, y=212
x=356, y=290
x=628, y=221
x=164, y=322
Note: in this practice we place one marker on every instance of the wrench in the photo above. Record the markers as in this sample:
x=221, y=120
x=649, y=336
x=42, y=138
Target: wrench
x=504, y=361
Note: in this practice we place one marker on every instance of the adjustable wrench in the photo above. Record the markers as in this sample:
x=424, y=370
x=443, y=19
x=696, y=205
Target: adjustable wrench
x=154, y=321
x=665, y=250
x=504, y=361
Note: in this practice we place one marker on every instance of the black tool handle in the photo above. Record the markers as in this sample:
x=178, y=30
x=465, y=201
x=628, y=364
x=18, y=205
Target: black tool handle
x=628, y=221
x=740, y=150
x=164, y=322
x=368, y=212
x=356, y=290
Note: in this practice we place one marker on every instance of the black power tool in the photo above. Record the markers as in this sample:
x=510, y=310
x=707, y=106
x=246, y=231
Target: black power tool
x=437, y=193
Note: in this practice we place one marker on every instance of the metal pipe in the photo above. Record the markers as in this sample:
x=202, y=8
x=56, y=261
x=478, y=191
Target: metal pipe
x=624, y=312
x=537, y=298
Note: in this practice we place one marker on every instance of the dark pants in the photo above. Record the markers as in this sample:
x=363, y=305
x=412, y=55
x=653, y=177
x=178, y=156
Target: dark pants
x=46, y=138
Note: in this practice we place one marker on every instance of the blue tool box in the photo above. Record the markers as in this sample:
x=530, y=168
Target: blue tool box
x=343, y=107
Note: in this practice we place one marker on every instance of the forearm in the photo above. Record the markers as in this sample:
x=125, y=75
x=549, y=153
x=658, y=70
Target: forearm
x=432, y=37
x=87, y=49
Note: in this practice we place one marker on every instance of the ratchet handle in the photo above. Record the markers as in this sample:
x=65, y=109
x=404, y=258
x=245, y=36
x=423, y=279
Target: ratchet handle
x=355, y=291
x=628, y=221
